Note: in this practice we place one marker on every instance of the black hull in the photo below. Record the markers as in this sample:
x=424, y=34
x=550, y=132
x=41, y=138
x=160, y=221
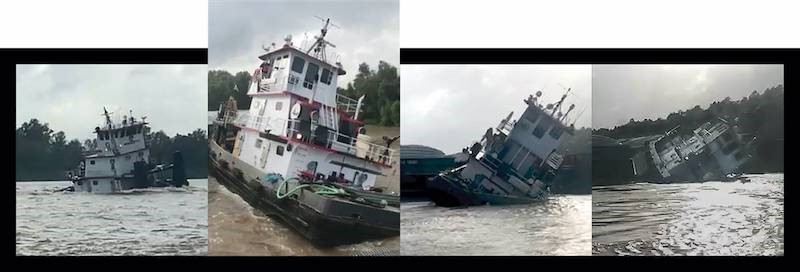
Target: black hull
x=321, y=229
x=445, y=194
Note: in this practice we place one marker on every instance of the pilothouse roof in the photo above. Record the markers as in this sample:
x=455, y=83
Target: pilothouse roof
x=318, y=47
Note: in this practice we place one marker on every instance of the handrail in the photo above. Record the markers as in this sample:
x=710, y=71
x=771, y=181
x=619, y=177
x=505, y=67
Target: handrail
x=346, y=104
x=555, y=160
x=335, y=141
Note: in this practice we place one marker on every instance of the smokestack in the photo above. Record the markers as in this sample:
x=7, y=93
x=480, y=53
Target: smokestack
x=178, y=170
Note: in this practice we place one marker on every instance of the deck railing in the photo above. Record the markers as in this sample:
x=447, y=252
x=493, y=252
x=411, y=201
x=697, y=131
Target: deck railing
x=334, y=140
x=555, y=160
x=346, y=104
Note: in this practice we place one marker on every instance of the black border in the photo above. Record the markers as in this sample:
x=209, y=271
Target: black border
x=789, y=57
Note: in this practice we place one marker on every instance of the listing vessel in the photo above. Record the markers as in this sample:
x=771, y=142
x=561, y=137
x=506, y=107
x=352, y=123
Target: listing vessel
x=121, y=161
x=713, y=151
x=514, y=163
x=301, y=153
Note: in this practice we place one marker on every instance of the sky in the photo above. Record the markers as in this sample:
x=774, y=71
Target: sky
x=71, y=97
x=368, y=31
x=622, y=92
x=448, y=107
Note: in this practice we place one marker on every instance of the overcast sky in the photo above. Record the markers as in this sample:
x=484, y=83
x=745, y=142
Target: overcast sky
x=622, y=92
x=368, y=31
x=450, y=106
x=71, y=97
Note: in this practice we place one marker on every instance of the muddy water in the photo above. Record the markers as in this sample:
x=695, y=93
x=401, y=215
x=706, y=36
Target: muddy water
x=153, y=221
x=559, y=226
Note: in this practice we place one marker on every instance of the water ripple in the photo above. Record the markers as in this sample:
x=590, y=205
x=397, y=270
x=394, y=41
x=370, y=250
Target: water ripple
x=712, y=218
x=59, y=223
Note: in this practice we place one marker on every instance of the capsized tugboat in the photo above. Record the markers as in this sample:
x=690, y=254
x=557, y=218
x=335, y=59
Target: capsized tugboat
x=121, y=161
x=713, y=151
x=514, y=163
x=301, y=154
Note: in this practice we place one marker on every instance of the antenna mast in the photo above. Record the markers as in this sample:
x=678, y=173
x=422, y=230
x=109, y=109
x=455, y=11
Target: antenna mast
x=558, y=105
x=108, y=117
x=319, y=45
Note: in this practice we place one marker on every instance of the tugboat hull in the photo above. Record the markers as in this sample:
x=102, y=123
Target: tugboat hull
x=449, y=192
x=325, y=221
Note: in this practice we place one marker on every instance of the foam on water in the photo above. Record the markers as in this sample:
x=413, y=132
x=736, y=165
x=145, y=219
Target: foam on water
x=711, y=218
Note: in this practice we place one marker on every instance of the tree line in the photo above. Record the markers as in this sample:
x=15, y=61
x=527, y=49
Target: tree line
x=381, y=88
x=42, y=154
x=759, y=116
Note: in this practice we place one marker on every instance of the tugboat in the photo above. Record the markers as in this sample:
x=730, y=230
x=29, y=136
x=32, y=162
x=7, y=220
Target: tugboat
x=713, y=151
x=121, y=161
x=514, y=163
x=301, y=154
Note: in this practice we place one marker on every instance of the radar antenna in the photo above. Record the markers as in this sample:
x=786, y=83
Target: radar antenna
x=318, y=47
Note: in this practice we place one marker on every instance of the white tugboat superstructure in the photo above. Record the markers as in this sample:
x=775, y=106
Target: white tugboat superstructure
x=297, y=119
x=300, y=152
x=121, y=160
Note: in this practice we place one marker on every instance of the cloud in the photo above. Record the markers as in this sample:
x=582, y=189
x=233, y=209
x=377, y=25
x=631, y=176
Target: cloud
x=450, y=106
x=71, y=97
x=622, y=92
x=368, y=31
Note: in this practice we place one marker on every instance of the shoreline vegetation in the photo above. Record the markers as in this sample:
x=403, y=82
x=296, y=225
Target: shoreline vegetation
x=44, y=155
x=760, y=116
x=381, y=88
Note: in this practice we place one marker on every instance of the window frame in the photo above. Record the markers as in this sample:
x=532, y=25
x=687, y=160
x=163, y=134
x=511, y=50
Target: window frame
x=326, y=79
x=302, y=63
x=544, y=126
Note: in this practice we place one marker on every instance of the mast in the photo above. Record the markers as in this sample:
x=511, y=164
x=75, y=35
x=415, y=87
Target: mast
x=320, y=43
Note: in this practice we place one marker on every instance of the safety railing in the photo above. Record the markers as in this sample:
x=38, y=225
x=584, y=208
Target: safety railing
x=346, y=104
x=555, y=160
x=306, y=132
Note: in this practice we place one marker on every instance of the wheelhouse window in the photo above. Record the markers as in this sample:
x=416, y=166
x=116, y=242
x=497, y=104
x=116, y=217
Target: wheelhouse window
x=258, y=143
x=543, y=126
x=297, y=65
x=532, y=115
x=91, y=162
x=556, y=132
x=311, y=76
x=278, y=106
x=279, y=150
x=326, y=76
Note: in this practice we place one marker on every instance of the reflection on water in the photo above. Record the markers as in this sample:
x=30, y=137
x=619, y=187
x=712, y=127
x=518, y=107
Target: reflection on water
x=236, y=229
x=560, y=226
x=711, y=218
x=154, y=221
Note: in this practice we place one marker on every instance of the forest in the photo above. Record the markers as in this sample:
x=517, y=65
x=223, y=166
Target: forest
x=43, y=154
x=381, y=87
x=759, y=116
